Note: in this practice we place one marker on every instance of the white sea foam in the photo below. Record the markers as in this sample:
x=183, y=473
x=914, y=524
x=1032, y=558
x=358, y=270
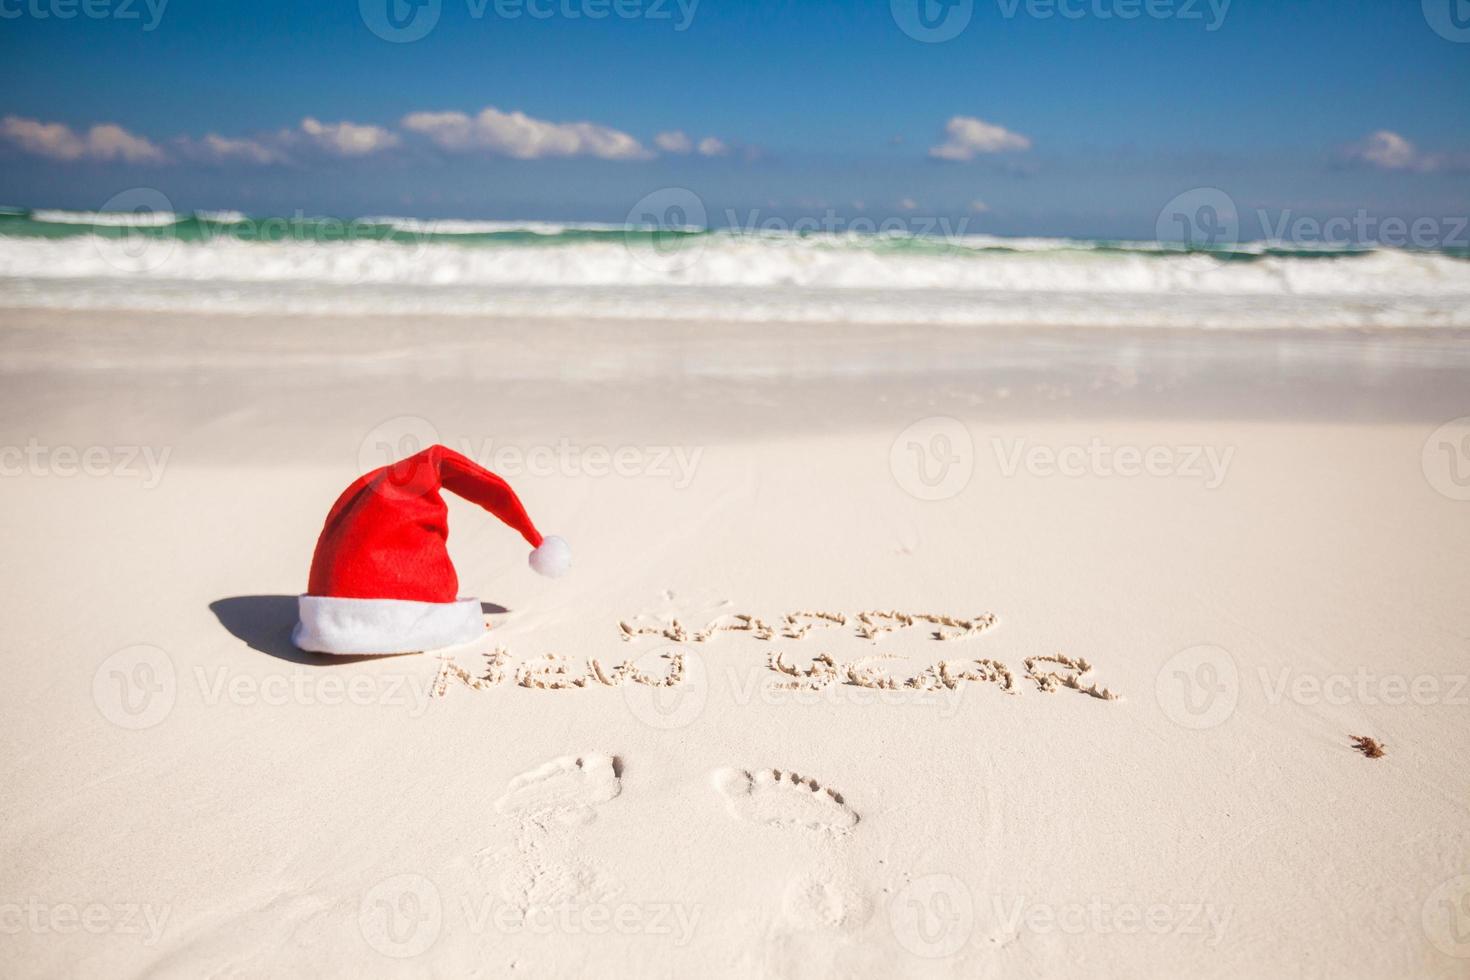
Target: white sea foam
x=115, y=219
x=741, y=277
x=457, y=226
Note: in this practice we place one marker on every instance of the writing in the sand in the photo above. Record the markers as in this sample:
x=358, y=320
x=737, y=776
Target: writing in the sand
x=1048, y=673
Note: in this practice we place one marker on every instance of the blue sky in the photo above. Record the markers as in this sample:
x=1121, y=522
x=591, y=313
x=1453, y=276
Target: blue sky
x=1085, y=122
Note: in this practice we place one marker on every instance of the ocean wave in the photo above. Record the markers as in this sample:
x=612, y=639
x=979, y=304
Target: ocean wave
x=731, y=261
x=205, y=262
x=106, y=219
x=460, y=226
x=222, y=217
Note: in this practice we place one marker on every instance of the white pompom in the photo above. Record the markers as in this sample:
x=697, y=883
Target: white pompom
x=553, y=558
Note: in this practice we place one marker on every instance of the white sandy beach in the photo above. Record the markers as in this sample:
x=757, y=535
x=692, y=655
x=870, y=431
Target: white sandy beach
x=1256, y=541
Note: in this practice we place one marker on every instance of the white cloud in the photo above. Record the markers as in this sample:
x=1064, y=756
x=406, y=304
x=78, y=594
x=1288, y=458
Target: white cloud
x=517, y=135
x=224, y=149
x=342, y=139
x=348, y=139
x=969, y=137
x=54, y=140
x=710, y=146
x=1387, y=150
x=58, y=141
x=111, y=142
x=674, y=141
x=677, y=141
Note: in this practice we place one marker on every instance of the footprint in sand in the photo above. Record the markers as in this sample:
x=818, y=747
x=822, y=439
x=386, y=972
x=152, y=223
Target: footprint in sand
x=546, y=877
x=783, y=799
x=824, y=901
x=567, y=788
x=538, y=863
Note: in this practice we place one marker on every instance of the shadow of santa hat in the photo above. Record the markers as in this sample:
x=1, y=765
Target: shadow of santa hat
x=381, y=579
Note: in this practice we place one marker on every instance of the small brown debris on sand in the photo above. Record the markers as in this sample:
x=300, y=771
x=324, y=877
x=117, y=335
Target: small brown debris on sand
x=1370, y=747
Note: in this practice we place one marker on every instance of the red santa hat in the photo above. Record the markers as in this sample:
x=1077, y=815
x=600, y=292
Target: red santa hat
x=381, y=578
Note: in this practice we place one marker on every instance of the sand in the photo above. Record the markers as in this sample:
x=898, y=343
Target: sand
x=1082, y=628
